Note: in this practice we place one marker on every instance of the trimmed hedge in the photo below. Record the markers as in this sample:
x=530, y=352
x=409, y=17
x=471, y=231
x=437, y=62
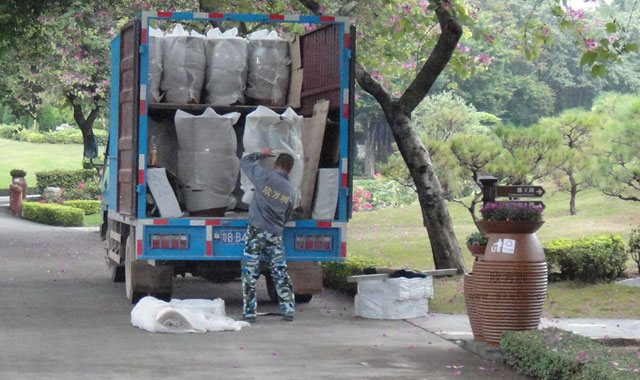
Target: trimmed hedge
x=64, y=178
x=589, y=259
x=66, y=136
x=53, y=214
x=334, y=274
x=556, y=354
x=89, y=207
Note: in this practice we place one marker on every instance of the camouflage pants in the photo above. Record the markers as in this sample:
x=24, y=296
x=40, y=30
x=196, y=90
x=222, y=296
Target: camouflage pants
x=259, y=242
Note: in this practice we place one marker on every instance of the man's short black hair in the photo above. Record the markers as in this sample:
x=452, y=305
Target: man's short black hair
x=284, y=161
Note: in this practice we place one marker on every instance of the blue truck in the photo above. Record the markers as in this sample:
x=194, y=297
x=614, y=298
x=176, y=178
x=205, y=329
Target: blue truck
x=147, y=250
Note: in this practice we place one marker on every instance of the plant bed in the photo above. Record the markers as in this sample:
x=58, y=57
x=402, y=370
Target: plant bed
x=557, y=354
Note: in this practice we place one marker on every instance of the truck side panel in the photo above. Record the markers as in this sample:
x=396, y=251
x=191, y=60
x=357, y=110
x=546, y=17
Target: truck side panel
x=128, y=110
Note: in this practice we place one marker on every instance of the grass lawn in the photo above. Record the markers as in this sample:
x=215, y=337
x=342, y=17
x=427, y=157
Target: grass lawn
x=33, y=158
x=398, y=237
x=92, y=220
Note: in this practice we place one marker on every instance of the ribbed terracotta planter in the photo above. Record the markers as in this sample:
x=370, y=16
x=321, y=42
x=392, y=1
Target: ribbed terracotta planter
x=510, y=284
x=472, y=312
x=477, y=250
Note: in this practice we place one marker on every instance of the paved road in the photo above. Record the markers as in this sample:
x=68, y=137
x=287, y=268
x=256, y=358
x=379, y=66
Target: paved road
x=62, y=318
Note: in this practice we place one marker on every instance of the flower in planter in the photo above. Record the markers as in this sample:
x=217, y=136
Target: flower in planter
x=477, y=238
x=511, y=211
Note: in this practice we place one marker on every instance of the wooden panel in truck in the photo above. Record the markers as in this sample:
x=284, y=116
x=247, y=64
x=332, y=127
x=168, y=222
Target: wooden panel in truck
x=128, y=113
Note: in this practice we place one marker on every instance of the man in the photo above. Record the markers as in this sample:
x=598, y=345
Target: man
x=270, y=209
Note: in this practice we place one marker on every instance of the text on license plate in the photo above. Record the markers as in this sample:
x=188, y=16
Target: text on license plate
x=231, y=236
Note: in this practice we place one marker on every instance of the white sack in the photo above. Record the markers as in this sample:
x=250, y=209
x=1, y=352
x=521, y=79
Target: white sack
x=155, y=64
x=227, y=67
x=400, y=288
x=207, y=163
x=377, y=307
x=326, y=200
x=269, y=61
x=182, y=316
x=209, y=132
x=184, y=65
x=281, y=133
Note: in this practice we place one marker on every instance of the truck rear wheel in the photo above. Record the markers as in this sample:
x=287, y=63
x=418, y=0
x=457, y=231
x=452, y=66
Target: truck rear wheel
x=130, y=272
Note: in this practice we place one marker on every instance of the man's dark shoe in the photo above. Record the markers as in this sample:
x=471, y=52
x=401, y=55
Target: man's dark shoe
x=288, y=318
x=250, y=319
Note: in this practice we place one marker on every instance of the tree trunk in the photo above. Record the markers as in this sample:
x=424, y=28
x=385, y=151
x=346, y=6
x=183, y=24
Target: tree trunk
x=85, y=125
x=435, y=215
x=574, y=192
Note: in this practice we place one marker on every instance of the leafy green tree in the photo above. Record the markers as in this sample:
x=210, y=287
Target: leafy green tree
x=574, y=158
x=619, y=168
x=475, y=155
x=7, y=116
x=48, y=118
x=527, y=153
x=440, y=116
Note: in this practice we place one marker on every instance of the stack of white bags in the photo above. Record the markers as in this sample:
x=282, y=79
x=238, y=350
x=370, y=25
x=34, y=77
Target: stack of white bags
x=182, y=63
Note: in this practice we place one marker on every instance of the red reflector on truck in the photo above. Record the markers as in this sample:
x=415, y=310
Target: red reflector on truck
x=313, y=243
x=169, y=241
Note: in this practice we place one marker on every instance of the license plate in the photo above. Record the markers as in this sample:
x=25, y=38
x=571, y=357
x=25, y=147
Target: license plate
x=232, y=236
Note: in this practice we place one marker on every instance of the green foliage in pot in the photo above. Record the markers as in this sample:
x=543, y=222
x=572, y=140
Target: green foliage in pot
x=477, y=238
x=16, y=173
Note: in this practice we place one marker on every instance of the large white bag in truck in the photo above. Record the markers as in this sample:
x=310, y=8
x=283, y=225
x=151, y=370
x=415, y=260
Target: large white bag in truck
x=155, y=64
x=207, y=163
x=184, y=64
x=227, y=66
x=281, y=133
x=269, y=67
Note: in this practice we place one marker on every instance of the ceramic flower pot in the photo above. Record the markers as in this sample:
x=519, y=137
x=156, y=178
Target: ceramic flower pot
x=510, y=283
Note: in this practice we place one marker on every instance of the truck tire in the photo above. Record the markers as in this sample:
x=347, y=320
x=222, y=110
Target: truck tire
x=116, y=272
x=303, y=298
x=130, y=280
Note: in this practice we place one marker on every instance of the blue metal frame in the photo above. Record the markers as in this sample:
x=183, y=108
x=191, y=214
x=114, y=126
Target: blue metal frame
x=177, y=225
x=112, y=159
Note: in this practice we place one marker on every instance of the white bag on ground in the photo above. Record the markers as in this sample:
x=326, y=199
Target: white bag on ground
x=269, y=70
x=281, y=133
x=207, y=163
x=183, y=316
x=184, y=65
x=155, y=64
x=226, y=74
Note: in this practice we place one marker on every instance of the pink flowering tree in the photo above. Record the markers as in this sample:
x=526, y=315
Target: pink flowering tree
x=73, y=58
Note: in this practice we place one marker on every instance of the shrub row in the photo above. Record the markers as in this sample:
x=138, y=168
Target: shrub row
x=64, y=178
x=88, y=206
x=53, y=214
x=556, y=354
x=590, y=259
x=67, y=136
x=334, y=274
